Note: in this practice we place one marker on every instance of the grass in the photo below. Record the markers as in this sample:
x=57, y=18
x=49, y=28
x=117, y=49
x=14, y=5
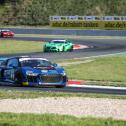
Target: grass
x=101, y=69
x=106, y=83
x=14, y=46
x=14, y=94
x=11, y=119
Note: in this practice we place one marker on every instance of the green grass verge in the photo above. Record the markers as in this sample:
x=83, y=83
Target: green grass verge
x=106, y=83
x=11, y=119
x=14, y=46
x=107, y=69
x=13, y=94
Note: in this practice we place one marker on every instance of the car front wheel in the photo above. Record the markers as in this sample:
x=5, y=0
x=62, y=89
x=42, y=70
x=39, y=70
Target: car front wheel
x=18, y=79
x=60, y=86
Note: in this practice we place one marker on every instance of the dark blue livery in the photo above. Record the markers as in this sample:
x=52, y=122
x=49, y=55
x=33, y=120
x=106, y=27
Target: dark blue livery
x=28, y=71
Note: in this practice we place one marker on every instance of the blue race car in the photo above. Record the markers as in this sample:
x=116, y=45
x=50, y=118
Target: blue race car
x=27, y=71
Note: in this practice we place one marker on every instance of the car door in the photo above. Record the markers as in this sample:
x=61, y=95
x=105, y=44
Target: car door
x=11, y=66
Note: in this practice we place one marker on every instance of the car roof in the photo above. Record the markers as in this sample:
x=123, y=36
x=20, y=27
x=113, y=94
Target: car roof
x=61, y=40
x=21, y=58
x=4, y=30
x=28, y=58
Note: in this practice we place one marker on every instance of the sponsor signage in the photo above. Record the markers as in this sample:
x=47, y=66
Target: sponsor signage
x=98, y=22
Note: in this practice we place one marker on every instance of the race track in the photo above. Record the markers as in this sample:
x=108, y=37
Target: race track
x=97, y=47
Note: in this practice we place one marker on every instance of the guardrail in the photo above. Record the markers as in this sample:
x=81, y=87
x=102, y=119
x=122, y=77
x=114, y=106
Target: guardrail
x=76, y=32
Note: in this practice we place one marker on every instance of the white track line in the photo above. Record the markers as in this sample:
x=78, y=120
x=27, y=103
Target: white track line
x=94, y=86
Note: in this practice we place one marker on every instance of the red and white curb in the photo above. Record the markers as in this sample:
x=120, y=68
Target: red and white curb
x=79, y=46
x=77, y=82
x=82, y=84
x=98, y=87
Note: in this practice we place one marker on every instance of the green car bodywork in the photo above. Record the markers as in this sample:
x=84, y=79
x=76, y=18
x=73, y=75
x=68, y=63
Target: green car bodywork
x=58, y=46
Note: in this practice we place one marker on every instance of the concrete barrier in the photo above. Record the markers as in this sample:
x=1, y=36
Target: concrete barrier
x=76, y=32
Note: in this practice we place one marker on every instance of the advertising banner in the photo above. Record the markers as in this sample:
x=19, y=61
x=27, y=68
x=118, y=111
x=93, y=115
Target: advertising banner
x=91, y=22
x=86, y=24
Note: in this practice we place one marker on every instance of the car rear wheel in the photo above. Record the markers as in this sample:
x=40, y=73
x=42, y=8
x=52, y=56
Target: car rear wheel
x=71, y=49
x=63, y=49
x=44, y=50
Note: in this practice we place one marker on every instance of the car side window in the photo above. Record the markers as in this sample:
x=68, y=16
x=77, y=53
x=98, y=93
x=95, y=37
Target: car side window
x=12, y=62
x=2, y=63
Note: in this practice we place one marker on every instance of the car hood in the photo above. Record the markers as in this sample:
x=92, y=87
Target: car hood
x=42, y=70
x=54, y=45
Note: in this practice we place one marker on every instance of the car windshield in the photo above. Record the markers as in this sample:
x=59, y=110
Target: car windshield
x=5, y=30
x=35, y=63
x=57, y=42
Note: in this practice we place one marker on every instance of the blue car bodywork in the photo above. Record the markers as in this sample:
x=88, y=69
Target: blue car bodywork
x=27, y=71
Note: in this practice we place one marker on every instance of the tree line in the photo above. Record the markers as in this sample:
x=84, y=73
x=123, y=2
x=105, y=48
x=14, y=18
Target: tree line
x=37, y=12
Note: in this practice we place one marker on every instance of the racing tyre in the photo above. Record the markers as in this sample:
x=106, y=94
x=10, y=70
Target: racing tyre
x=71, y=49
x=60, y=86
x=1, y=35
x=44, y=50
x=63, y=49
x=18, y=79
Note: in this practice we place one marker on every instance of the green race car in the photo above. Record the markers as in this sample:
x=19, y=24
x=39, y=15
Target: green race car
x=58, y=46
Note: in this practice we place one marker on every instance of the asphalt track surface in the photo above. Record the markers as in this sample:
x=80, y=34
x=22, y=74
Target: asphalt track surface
x=67, y=89
x=97, y=47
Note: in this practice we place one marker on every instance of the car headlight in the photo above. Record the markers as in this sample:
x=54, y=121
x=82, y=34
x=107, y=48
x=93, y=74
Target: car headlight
x=63, y=73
